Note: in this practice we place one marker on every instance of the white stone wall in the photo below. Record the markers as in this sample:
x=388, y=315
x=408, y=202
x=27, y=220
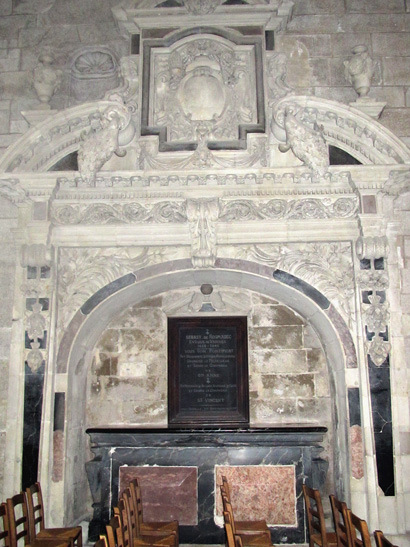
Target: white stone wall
x=288, y=372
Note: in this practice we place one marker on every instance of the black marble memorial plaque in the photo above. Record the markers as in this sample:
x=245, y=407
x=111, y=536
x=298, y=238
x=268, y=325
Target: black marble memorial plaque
x=208, y=371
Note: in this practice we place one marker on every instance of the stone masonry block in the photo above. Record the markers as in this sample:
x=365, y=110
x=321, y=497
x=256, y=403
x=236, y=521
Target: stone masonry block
x=273, y=410
x=344, y=42
x=77, y=12
x=286, y=386
x=389, y=44
x=393, y=96
x=316, y=359
x=279, y=360
x=266, y=316
x=57, y=37
x=108, y=341
x=5, y=120
x=318, y=45
x=10, y=61
x=397, y=120
x=373, y=6
x=98, y=33
x=276, y=337
x=396, y=70
x=15, y=84
x=375, y=22
x=311, y=7
x=313, y=24
x=406, y=281
x=6, y=7
x=341, y=94
x=10, y=26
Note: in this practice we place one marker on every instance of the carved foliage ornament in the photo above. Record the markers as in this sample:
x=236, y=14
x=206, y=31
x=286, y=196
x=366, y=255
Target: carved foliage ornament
x=326, y=266
x=307, y=143
x=230, y=211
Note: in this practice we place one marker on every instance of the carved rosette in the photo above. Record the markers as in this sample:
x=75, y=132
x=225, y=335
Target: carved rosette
x=373, y=281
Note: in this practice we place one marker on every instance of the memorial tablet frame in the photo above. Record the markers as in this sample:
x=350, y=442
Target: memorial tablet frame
x=233, y=414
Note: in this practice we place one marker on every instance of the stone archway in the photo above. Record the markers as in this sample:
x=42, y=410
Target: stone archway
x=89, y=322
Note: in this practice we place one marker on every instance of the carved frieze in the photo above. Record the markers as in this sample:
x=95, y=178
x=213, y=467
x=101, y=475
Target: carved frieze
x=235, y=210
x=326, y=266
x=131, y=212
x=82, y=272
x=275, y=209
x=12, y=190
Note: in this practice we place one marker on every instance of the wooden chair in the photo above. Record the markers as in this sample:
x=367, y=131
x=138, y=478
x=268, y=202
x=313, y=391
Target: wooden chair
x=129, y=527
x=102, y=542
x=381, y=539
x=316, y=519
x=5, y=531
x=160, y=528
x=242, y=526
x=341, y=522
x=19, y=529
x=359, y=532
x=38, y=530
x=114, y=532
x=248, y=537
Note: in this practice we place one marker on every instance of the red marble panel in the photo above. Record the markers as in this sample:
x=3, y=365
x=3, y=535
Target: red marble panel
x=260, y=492
x=168, y=493
x=357, y=451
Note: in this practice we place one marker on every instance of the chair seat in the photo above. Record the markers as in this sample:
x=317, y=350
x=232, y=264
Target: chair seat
x=148, y=539
x=160, y=527
x=255, y=540
x=330, y=536
x=66, y=534
x=251, y=525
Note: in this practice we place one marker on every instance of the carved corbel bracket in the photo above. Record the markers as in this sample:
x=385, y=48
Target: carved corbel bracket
x=372, y=247
x=202, y=215
x=374, y=281
x=35, y=255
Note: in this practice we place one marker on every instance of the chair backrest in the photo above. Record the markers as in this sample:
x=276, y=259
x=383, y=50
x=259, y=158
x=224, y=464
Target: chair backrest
x=18, y=519
x=102, y=542
x=125, y=519
x=381, y=539
x=359, y=532
x=35, y=509
x=314, y=513
x=227, y=507
x=114, y=531
x=340, y=519
x=5, y=526
x=135, y=492
x=225, y=487
x=230, y=537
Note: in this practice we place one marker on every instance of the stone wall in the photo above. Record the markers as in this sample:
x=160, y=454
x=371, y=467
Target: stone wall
x=318, y=39
x=287, y=368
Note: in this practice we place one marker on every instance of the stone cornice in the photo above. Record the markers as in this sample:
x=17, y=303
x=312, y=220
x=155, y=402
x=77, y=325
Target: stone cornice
x=255, y=183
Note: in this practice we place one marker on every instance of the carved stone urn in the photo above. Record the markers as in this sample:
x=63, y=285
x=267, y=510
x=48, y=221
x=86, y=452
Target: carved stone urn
x=46, y=79
x=359, y=70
